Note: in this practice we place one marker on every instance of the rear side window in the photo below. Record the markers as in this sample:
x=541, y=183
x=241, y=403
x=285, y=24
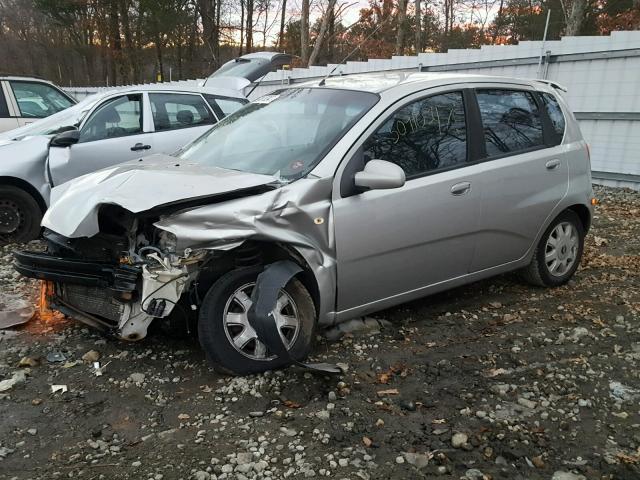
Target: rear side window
x=424, y=136
x=511, y=121
x=556, y=116
x=172, y=111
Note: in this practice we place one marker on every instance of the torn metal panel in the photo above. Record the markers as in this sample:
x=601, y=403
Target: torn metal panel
x=14, y=311
x=139, y=186
x=298, y=215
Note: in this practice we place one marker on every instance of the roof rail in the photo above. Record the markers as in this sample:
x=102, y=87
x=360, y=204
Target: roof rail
x=553, y=84
x=17, y=75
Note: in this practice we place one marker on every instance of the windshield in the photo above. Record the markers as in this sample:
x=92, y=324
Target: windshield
x=57, y=122
x=284, y=134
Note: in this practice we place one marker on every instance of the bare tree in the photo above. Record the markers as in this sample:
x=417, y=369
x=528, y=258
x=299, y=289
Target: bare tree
x=249, y=25
x=418, y=26
x=304, y=32
x=575, y=17
x=401, y=20
x=282, y=22
x=323, y=31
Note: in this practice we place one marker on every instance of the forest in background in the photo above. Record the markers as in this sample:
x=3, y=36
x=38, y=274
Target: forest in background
x=118, y=42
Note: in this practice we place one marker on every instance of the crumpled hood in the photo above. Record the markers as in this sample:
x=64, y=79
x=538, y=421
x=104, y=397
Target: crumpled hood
x=138, y=186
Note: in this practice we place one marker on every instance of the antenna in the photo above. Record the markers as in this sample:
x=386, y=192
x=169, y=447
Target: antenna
x=544, y=39
x=321, y=84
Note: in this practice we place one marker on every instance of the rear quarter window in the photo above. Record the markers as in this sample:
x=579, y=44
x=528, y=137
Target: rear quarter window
x=556, y=116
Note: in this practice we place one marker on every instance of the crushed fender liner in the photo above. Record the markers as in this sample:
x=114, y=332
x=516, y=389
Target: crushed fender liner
x=265, y=294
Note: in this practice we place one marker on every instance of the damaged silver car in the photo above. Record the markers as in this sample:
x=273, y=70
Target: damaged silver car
x=320, y=203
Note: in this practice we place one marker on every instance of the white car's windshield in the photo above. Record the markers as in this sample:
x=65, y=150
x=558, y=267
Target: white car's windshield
x=284, y=134
x=55, y=123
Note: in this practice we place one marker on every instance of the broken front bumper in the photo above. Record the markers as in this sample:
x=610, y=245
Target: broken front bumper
x=97, y=293
x=116, y=277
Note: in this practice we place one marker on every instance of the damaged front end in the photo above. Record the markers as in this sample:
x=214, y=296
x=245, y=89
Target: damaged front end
x=118, y=269
x=114, y=282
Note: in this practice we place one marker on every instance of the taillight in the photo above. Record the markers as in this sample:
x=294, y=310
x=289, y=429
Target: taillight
x=588, y=152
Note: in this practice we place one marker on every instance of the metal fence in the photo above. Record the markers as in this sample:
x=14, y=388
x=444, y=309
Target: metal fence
x=601, y=73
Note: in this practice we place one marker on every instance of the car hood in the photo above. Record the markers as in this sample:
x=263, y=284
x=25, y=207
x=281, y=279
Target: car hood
x=40, y=140
x=155, y=181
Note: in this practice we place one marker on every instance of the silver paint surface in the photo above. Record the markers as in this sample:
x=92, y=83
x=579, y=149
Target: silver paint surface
x=376, y=249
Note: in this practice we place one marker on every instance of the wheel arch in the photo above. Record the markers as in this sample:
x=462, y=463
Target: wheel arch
x=253, y=253
x=584, y=214
x=27, y=187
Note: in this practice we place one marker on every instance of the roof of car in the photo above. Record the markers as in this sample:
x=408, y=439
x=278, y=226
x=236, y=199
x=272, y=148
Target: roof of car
x=30, y=78
x=379, y=82
x=163, y=87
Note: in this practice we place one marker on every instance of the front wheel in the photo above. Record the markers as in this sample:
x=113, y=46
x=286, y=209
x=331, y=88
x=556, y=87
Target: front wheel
x=20, y=215
x=232, y=345
x=558, y=253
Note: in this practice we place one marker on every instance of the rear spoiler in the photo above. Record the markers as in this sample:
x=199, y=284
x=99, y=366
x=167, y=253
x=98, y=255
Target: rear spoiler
x=553, y=84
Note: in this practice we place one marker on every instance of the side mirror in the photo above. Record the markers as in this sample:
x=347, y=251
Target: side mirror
x=66, y=139
x=380, y=174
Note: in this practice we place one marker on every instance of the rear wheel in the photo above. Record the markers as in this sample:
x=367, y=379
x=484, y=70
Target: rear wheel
x=558, y=253
x=20, y=215
x=232, y=345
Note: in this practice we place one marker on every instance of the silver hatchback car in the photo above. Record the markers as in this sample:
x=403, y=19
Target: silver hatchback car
x=319, y=203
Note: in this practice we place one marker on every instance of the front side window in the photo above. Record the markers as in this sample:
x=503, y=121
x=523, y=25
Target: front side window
x=422, y=137
x=511, y=121
x=284, y=134
x=172, y=111
x=117, y=117
x=224, y=106
x=556, y=116
x=38, y=100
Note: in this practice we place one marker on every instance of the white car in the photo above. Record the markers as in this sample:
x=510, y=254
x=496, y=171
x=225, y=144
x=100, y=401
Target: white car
x=110, y=128
x=24, y=100
x=102, y=130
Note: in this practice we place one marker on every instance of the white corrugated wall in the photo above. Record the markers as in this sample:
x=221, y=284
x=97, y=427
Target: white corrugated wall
x=601, y=73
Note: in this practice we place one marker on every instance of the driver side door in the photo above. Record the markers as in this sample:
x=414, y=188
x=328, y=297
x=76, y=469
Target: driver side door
x=393, y=244
x=114, y=132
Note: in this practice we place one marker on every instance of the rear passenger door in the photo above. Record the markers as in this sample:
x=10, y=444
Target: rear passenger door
x=524, y=177
x=178, y=118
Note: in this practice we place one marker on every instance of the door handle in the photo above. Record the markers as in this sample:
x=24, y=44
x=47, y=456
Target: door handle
x=460, y=188
x=138, y=146
x=552, y=164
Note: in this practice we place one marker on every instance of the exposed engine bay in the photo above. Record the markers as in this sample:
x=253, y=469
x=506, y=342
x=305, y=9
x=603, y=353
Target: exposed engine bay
x=120, y=279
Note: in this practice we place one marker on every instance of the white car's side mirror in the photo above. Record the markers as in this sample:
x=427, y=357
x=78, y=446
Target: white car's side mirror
x=380, y=174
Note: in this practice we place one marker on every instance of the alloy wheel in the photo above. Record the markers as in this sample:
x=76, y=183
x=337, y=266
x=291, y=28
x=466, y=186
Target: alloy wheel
x=241, y=334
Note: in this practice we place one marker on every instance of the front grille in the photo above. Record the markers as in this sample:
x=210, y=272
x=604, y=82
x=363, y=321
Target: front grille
x=93, y=300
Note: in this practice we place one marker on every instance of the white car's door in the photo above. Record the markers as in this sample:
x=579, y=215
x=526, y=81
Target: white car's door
x=8, y=120
x=116, y=131
x=178, y=118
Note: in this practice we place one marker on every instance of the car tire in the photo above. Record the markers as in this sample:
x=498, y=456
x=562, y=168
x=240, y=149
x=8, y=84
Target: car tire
x=221, y=330
x=568, y=233
x=20, y=215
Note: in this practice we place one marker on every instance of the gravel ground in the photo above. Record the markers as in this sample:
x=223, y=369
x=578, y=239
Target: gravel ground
x=493, y=380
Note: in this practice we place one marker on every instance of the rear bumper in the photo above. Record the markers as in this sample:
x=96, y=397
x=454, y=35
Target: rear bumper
x=42, y=266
